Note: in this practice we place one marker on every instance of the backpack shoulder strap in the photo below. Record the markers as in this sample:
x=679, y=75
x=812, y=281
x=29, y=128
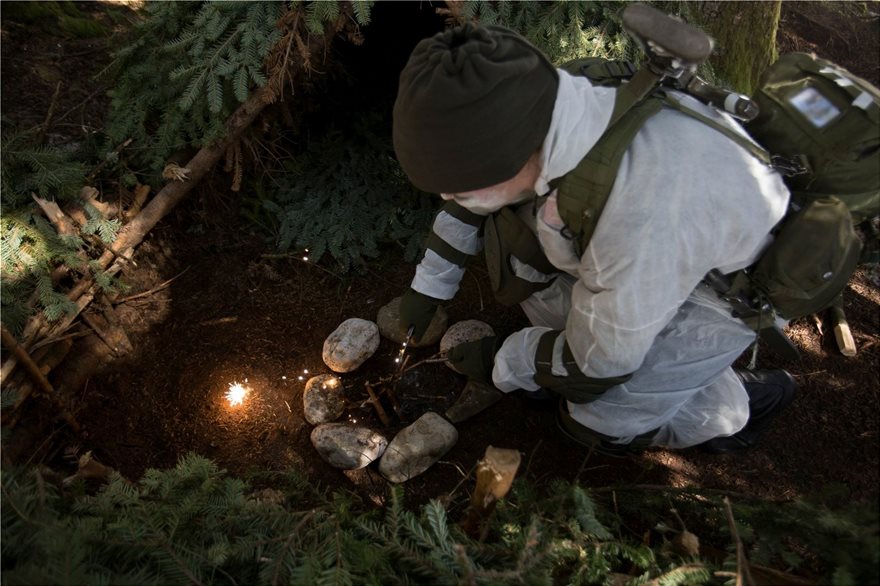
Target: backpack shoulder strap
x=756, y=151
x=583, y=192
x=601, y=72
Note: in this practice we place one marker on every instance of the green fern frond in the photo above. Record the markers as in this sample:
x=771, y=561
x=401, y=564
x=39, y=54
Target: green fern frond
x=362, y=10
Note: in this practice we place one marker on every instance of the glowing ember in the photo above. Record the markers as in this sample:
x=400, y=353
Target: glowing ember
x=236, y=394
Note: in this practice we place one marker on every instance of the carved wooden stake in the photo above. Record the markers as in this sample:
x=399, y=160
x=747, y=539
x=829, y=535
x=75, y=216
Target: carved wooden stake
x=842, y=334
x=495, y=474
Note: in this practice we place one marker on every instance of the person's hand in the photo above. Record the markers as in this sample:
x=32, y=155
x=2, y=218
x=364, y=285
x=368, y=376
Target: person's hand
x=475, y=359
x=417, y=310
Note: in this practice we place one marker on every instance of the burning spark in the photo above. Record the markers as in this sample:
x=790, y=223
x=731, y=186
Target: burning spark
x=409, y=335
x=236, y=393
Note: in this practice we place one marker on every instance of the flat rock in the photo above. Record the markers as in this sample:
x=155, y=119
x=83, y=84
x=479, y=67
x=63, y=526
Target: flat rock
x=348, y=447
x=323, y=400
x=350, y=345
x=389, y=325
x=475, y=398
x=417, y=447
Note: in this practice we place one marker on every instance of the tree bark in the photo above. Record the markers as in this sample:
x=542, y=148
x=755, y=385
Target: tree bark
x=745, y=38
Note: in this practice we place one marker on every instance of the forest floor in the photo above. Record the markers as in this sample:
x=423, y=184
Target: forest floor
x=234, y=315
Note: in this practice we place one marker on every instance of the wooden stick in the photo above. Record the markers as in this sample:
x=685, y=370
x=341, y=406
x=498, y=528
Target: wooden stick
x=742, y=563
x=36, y=374
x=101, y=332
x=380, y=411
x=44, y=127
x=63, y=224
x=88, y=195
x=153, y=290
x=392, y=398
x=140, y=196
x=12, y=344
x=495, y=474
x=842, y=334
x=49, y=341
x=91, y=176
x=439, y=357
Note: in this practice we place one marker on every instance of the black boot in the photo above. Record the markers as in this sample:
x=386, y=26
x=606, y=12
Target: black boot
x=770, y=392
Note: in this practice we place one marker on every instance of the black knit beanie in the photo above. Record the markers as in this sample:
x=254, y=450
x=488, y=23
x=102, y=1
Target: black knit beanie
x=474, y=103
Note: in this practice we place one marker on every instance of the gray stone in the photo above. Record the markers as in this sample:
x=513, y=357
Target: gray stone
x=323, y=400
x=475, y=398
x=350, y=345
x=417, y=447
x=389, y=325
x=348, y=447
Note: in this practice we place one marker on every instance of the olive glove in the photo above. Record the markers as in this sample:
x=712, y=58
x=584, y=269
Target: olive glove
x=417, y=310
x=475, y=359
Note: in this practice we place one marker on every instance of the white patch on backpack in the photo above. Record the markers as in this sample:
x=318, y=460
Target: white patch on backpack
x=815, y=107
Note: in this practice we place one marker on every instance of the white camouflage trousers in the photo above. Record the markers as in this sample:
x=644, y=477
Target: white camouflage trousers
x=685, y=386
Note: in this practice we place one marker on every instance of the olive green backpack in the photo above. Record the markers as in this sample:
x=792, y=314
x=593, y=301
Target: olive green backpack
x=819, y=126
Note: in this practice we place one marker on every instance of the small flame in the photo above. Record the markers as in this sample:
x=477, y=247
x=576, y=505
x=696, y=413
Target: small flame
x=236, y=393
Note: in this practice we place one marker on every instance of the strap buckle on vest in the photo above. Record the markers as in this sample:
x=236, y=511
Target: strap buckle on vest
x=789, y=166
x=566, y=233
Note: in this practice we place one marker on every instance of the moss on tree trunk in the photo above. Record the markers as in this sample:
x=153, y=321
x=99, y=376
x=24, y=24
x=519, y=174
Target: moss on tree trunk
x=745, y=35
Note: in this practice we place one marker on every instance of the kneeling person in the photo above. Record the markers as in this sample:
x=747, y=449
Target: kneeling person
x=623, y=329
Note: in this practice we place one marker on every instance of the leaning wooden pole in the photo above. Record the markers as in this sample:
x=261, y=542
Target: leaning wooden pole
x=241, y=119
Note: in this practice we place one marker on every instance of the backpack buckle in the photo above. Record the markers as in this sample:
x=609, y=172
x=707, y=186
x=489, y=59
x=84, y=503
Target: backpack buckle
x=789, y=166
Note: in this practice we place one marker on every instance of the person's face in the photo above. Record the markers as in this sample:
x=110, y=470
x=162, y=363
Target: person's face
x=517, y=189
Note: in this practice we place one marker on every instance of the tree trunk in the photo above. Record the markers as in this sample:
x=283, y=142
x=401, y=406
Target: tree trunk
x=745, y=38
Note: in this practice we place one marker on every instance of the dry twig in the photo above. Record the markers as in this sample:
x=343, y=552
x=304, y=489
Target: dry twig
x=12, y=344
x=91, y=176
x=742, y=563
x=44, y=127
x=380, y=410
x=153, y=290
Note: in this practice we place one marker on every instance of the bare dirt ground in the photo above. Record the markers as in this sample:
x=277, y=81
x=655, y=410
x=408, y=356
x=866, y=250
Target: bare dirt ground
x=234, y=315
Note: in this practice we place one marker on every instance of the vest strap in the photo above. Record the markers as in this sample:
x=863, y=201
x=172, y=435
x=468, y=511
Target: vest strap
x=583, y=192
x=575, y=386
x=446, y=250
x=741, y=140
